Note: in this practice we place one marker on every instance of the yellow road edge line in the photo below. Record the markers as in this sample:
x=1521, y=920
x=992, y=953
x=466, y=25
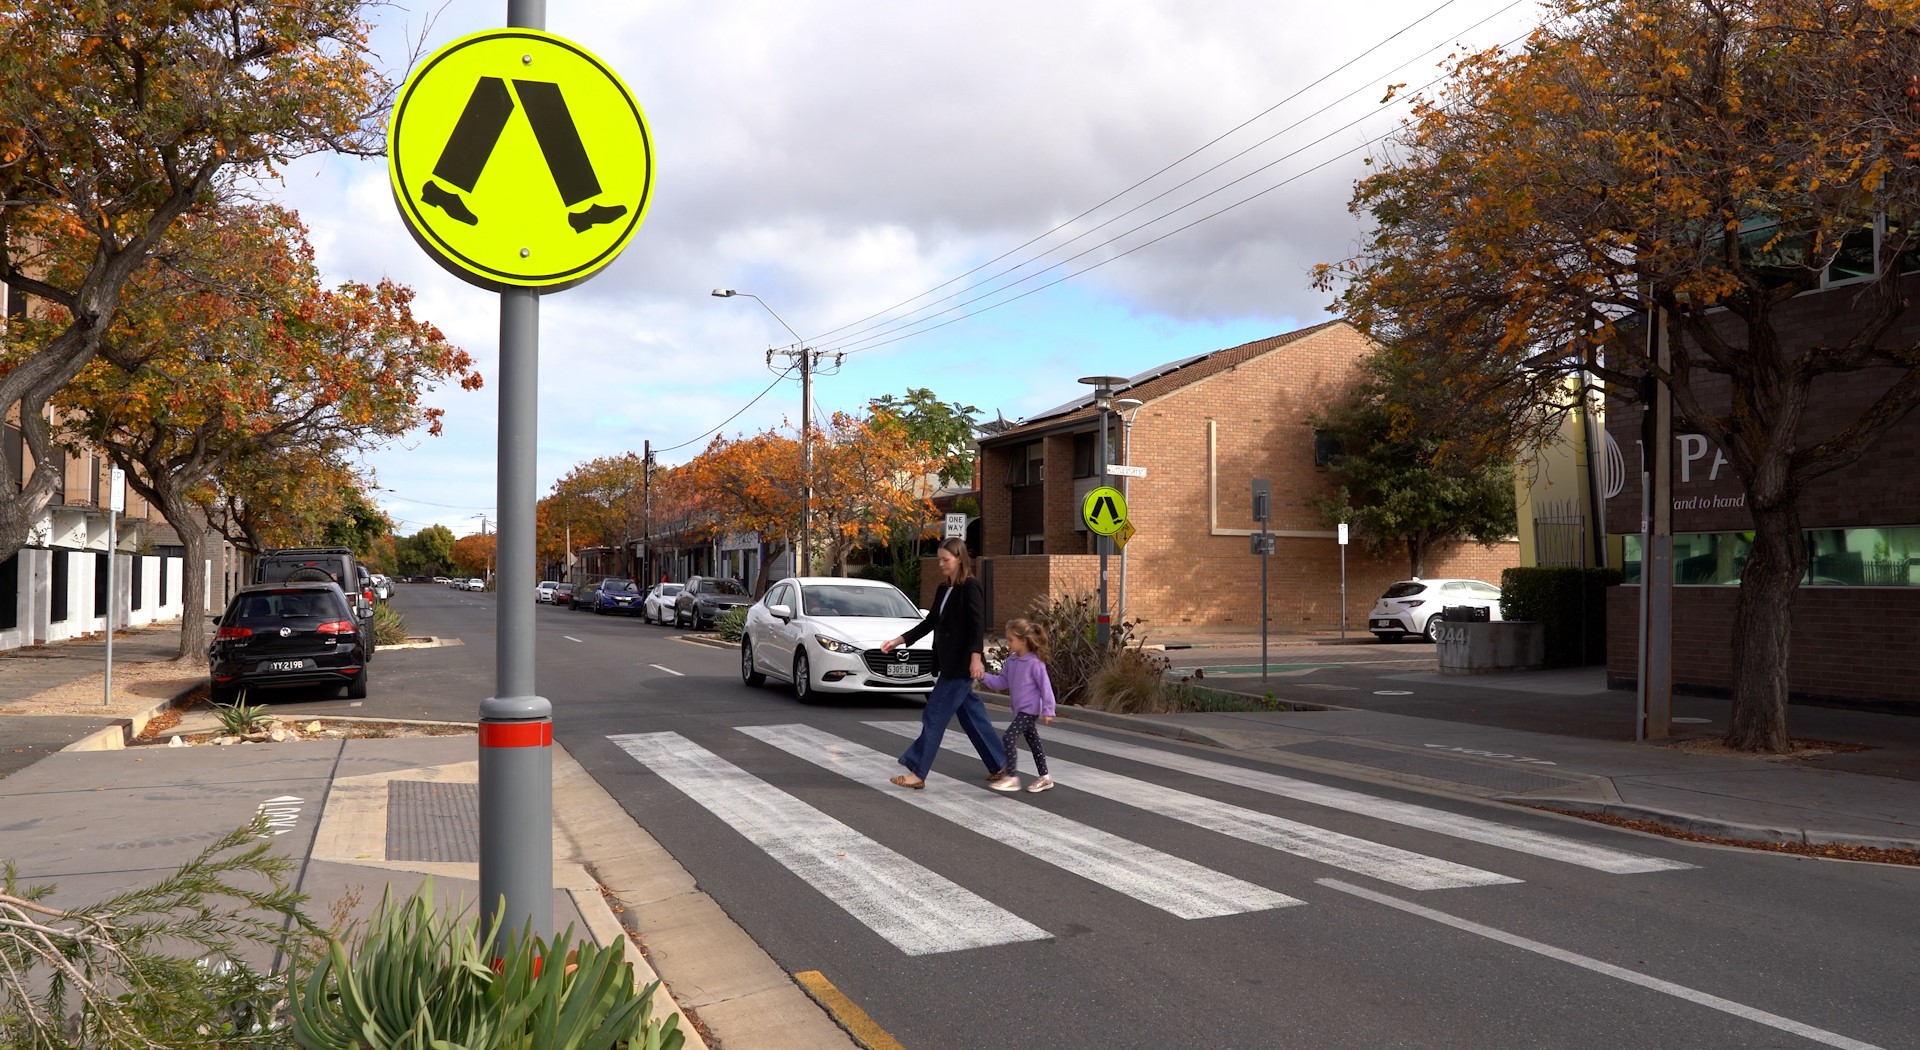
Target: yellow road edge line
x=863, y=1028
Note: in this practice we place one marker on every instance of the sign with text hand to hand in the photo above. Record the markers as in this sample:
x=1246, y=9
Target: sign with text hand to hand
x=519, y=160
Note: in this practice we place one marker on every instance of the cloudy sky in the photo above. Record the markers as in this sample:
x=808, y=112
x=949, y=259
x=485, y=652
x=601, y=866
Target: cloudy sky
x=884, y=177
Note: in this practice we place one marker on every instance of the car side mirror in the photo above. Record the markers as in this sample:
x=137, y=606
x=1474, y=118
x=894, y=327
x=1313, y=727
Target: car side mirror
x=783, y=612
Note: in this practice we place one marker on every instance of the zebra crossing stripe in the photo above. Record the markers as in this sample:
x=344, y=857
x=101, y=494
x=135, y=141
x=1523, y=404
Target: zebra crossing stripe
x=1373, y=859
x=1473, y=829
x=1169, y=883
x=914, y=909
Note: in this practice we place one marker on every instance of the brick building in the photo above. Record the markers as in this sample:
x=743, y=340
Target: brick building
x=1857, y=611
x=1208, y=426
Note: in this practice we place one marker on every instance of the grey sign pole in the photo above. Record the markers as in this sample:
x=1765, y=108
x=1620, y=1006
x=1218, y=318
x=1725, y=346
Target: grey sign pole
x=1262, y=510
x=1103, y=627
x=1343, y=581
x=116, y=502
x=516, y=726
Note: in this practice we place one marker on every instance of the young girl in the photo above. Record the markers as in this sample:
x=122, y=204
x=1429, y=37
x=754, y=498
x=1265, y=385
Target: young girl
x=1025, y=679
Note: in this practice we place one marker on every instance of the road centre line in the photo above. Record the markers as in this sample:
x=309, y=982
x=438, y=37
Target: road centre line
x=1167, y=882
x=669, y=670
x=571, y=638
x=1691, y=995
x=914, y=909
x=1473, y=829
x=1373, y=859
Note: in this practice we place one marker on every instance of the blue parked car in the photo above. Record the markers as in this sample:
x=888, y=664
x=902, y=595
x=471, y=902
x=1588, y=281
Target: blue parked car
x=617, y=596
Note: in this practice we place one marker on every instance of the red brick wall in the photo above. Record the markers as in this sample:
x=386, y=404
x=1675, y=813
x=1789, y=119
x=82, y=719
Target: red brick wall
x=1180, y=577
x=1832, y=628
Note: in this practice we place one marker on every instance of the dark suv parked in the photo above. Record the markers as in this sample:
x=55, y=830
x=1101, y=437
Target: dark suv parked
x=287, y=634
x=320, y=565
x=706, y=599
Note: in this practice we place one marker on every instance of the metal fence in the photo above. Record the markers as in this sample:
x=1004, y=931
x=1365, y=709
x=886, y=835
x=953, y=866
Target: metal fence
x=1560, y=534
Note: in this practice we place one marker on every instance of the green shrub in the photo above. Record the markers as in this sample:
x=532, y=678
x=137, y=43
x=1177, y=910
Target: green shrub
x=732, y=624
x=417, y=978
x=238, y=719
x=1570, y=602
x=1131, y=683
x=154, y=967
x=1072, y=625
x=389, y=627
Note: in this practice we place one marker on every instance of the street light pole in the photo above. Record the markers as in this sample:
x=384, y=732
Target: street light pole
x=1132, y=407
x=807, y=359
x=1103, y=400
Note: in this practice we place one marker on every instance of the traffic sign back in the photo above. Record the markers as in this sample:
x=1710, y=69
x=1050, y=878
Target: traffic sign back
x=519, y=160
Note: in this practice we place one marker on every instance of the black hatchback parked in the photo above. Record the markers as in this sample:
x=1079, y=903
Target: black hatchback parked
x=287, y=634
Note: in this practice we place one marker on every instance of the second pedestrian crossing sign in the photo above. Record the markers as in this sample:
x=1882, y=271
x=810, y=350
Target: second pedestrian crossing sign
x=519, y=160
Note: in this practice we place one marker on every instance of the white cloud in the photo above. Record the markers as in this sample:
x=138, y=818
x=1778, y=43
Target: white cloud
x=836, y=158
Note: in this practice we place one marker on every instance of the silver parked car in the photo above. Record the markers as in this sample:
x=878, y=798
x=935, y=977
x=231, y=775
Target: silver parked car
x=1413, y=606
x=823, y=634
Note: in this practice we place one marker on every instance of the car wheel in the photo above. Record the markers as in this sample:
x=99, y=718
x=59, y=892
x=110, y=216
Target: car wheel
x=802, y=678
x=597, y=611
x=747, y=672
x=357, y=689
x=1426, y=633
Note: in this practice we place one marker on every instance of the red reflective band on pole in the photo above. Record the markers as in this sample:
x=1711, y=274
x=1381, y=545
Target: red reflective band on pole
x=516, y=734
x=1104, y=618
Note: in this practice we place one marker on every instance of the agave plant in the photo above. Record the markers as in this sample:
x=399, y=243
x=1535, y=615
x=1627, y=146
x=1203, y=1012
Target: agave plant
x=419, y=980
x=238, y=719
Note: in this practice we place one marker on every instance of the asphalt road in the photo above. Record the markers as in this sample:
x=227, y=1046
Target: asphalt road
x=1092, y=917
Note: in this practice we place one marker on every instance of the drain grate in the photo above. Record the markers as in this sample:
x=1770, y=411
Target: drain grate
x=1430, y=766
x=429, y=820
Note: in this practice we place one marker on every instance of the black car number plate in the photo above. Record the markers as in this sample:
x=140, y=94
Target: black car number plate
x=286, y=665
x=903, y=670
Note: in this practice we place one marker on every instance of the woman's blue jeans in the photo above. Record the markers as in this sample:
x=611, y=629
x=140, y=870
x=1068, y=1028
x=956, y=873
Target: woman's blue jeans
x=951, y=696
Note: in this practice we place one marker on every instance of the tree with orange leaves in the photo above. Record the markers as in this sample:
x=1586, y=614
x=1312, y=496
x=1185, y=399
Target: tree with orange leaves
x=1703, y=160
x=117, y=120
x=235, y=359
x=747, y=484
x=473, y=555
x=871, y=483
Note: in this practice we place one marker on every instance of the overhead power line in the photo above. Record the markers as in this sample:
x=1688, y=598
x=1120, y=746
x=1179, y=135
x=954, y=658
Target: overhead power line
x=716, y=429
x=848, y=339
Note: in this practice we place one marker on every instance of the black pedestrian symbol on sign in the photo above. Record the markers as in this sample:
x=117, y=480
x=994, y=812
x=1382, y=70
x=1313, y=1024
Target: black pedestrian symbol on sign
x=1104, y=506
x=478, y=131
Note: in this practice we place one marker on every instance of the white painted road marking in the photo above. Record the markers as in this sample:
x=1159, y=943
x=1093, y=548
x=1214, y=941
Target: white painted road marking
x=1169, y=883
x=669, y=670
x=914, y=909
x=1373, y=859
x=571, y=638
x=282, y=813
x=1473, y=829
x=1714, y=1002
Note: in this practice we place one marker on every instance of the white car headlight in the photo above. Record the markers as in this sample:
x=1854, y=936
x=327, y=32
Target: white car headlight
x=835, y=645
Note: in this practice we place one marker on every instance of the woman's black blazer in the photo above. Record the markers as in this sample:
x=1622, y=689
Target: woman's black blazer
x=959, y=630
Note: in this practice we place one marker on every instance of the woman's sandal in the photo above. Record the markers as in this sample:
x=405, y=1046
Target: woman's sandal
x=905, y=783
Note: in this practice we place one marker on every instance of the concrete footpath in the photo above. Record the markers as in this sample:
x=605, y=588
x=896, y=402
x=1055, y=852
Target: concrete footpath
x=360, y=816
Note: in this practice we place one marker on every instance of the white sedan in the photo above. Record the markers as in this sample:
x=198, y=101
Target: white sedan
x=1413, y=606
x=823, y=634
x=658, y=604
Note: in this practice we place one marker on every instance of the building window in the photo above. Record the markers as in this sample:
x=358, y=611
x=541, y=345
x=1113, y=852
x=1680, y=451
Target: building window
x=138, y=578
x=100, y=583
x=10, y=593
x=1029, y=465
x=1879, y=556
x=1083, y=456
x=1326, y=449
x=61, y=559
x=1030, y=543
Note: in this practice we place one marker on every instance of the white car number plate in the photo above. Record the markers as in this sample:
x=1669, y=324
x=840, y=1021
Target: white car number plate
x=285, y=665
x=903, y=670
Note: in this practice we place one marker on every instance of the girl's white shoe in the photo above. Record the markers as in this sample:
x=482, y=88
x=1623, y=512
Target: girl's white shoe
x=1006, y=784
x=1042, y=784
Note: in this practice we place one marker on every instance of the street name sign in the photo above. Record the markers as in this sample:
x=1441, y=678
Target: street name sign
x=519, y=160
x=1104, y=510
x=1126, y=472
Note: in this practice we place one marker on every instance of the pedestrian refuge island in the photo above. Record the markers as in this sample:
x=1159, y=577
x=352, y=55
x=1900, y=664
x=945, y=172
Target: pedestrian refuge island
x=1483, y=648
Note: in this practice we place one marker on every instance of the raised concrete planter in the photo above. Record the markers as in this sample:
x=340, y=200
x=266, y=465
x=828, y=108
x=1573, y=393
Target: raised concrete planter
x=1480, y=648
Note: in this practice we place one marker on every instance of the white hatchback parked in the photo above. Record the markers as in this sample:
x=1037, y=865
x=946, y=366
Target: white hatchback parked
x=823, y=634
x=1413, y=606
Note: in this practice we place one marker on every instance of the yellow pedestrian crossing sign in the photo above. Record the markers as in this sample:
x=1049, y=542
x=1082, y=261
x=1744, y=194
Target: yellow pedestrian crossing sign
x=1104, y=510
x=519, y=160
